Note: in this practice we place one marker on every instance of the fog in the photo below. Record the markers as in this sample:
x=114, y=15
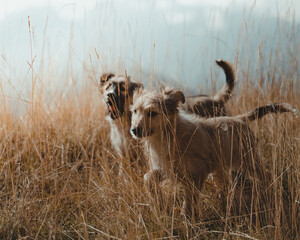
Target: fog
x=176, y=42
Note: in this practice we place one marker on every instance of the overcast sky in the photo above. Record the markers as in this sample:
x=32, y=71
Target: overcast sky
x=177, y=39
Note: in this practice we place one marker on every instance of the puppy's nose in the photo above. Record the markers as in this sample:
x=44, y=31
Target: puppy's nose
x=133, y=131
x=136, y=131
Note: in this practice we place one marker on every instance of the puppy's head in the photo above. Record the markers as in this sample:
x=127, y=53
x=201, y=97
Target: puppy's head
x=151, y=111
x=117, y=93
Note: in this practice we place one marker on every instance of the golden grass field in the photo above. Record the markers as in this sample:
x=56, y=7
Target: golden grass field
x=59, y=175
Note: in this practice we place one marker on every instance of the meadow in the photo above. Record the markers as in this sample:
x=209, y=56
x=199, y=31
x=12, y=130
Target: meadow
x=59, y=174
x=59, y=177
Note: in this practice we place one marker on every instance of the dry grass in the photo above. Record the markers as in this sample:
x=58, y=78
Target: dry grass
x=58, y=177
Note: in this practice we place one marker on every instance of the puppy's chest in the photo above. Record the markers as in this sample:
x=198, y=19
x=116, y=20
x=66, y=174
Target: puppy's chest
x=118, y=136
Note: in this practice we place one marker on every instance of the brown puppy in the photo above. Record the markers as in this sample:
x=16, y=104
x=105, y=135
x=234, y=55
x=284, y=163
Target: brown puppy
x=188, y=147
x=118, y=92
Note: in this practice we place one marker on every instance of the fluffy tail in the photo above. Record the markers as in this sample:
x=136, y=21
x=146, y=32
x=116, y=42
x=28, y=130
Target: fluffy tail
x=225, y=93
x=272, y=108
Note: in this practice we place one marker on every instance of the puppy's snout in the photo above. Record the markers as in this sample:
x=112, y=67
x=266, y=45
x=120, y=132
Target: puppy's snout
x=111, y=99
x=137, y=132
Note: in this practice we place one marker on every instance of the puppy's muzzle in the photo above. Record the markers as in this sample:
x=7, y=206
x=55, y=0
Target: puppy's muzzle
x=110, y=99
x=137, y=132
x=112, y=105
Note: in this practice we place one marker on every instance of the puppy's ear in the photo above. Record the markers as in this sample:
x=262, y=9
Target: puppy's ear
x=138, y=92
x=135, y=86
x=105, y=77
x=172, y=100
x=174, y=96
x=103, y=80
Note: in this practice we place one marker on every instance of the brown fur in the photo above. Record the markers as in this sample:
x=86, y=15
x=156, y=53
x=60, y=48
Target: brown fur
x=189, y=148
x=272, y=108
x=206, y=106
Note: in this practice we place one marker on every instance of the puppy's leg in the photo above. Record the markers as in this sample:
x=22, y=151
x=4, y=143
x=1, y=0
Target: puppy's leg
x=260, y=180
x=191, y=189
x=152, y=180
x=256, y=169
x=221, y=177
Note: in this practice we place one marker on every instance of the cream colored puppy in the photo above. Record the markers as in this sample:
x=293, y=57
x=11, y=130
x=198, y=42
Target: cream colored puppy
x=189, y=148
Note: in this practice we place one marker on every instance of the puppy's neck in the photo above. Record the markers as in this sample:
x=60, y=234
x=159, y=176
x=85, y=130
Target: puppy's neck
x=162, y=144
x=121, y=124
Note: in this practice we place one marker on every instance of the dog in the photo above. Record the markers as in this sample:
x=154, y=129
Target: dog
x=118, y=93
x=189, y=148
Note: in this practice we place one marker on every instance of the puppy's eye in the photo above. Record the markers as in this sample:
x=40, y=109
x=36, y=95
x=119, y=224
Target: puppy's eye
x=152, y=114
x=134, y=111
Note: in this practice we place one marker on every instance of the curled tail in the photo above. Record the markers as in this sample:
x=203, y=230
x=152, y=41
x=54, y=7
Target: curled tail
x=225, y=93
x=272, y=108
